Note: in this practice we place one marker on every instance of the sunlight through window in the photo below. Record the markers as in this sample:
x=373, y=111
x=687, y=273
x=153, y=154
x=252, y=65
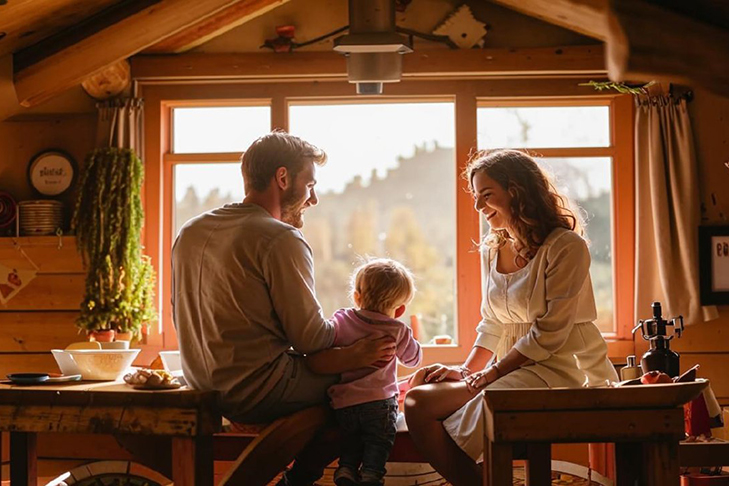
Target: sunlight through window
x=388, y=189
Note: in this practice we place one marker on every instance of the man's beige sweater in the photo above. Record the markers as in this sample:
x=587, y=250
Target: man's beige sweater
x=242, y=295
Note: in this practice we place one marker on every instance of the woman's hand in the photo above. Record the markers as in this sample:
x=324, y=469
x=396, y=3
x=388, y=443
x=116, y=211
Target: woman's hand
x=481, y=379
x=375, y=352
x=436, y=373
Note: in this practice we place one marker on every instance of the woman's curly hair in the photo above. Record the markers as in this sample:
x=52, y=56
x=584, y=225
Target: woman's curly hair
x=536, y=206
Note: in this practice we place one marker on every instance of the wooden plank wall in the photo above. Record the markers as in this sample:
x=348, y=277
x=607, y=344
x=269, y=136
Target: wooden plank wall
x=41, y=316
x=707, y=344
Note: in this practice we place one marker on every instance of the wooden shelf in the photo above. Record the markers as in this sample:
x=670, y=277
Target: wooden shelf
x=52, y=240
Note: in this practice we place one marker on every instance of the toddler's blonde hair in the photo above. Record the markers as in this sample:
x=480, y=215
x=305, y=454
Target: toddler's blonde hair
x=382, y=284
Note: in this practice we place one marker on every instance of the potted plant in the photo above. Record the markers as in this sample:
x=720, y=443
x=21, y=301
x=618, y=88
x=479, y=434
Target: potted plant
x=108, y=221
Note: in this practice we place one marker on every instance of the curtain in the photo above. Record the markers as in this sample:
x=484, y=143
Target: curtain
x=667, y=211
x=120, y=124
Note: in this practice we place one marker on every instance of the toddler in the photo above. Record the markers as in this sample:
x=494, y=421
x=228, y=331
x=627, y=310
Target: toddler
x=365, y=401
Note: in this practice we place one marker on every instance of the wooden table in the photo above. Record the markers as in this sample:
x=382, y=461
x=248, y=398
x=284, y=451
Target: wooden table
x=645, y=422
x=189, y=417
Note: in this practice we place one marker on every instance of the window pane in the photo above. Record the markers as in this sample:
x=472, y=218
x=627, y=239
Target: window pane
x=588, y=182
x=388, y=189
x=218, y=128
x=202, y=187
x=543, y=127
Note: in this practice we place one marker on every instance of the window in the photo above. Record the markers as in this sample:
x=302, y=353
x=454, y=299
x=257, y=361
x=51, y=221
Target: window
x=207, y=142
x=218, y=128
x=202, y=187
x=387, y=190
x=573, y=144
x=391, y=186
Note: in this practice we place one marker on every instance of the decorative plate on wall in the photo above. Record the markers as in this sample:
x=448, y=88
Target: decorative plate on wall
x=51, y=172
x=7, y=209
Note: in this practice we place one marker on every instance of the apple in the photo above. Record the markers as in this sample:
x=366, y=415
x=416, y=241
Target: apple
x=655, y=377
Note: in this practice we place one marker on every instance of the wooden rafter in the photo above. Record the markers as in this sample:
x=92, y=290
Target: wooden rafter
x=646, y=39
x=437, y=63
x=587, y=17
x=69, y=66
x=214, y=26
x=650, y=42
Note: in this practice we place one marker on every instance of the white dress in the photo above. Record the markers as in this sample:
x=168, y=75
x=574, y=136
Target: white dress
x=546, y=311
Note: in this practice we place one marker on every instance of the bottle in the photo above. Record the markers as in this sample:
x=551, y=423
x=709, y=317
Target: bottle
x=631, y=371
x=661, y=358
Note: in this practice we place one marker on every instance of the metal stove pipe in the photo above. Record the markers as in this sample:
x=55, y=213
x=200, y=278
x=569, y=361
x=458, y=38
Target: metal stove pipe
x=373, y=47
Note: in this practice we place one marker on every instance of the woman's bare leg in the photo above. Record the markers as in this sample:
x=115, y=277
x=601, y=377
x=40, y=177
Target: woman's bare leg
x=425, y=409
x=418, y=378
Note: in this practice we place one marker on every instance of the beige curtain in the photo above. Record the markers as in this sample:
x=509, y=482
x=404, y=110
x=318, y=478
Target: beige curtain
x=120, y=124
x=667, y=212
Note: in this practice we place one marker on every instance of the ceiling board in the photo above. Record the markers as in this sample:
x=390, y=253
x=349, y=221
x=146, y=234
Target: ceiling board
x=214, y=26
x=26, y=22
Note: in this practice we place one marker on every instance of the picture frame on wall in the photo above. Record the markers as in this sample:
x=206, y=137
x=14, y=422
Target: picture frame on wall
x=714, y=264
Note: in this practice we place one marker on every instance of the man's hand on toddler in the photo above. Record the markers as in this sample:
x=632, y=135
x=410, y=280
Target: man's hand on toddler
x=377, y=352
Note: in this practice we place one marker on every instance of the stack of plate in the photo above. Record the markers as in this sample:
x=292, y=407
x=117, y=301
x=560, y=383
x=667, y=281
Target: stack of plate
x=40, y=217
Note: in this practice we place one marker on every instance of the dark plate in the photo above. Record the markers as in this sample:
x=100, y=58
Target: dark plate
x=27, y=378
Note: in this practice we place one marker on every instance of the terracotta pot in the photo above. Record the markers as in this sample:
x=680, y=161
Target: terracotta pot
x=102, y=335
x=123, y=336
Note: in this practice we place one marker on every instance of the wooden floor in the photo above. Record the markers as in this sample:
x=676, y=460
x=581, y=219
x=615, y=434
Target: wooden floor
x=409, y=475
x=558, y=479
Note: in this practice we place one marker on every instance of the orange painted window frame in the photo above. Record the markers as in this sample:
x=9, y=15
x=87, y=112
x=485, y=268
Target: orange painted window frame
x=160, y=99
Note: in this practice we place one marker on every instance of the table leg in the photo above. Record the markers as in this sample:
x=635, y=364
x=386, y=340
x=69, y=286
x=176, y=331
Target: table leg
x=23, y=459
x=539, y=465
x=192, y=461
x=628, y=459
x=497, y=464
x=660, y=463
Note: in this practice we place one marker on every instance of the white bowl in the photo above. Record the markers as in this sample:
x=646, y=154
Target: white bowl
x=65, y=362
x=171, y=360
x=103, y=364
x=115, y=345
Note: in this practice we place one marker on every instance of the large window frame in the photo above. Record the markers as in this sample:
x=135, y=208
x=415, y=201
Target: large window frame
x=469, y=94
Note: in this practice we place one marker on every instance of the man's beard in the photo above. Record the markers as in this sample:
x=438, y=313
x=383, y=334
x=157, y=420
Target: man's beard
x=292, y=208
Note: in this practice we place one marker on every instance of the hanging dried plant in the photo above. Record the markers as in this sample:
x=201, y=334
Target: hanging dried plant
x=108, y=221
x=617, y=86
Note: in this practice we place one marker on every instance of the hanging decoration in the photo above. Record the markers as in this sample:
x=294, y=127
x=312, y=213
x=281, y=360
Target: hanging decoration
x=13, y=279
x=463, y=29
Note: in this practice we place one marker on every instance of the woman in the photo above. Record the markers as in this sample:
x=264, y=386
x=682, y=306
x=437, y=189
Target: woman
x=538, y=310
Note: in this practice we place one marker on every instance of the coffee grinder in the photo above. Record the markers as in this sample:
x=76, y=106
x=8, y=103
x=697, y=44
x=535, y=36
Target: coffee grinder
x=660, y=357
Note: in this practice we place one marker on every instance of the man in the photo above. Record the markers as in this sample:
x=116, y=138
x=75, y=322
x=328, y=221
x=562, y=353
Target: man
x=243, y=295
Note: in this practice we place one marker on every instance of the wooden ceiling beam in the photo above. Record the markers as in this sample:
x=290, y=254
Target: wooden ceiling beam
x=648, y=42
x=436, y=63
x=214, y=26
x=62, y=69
x=587, y=17
x=645, y=39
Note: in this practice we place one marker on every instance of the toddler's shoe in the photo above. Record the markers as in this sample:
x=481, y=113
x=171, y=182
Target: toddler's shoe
x=345, y=476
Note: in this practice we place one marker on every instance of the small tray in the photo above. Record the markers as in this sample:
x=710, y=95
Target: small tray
x=659, y=395
x=62, y=378
x=167, y=386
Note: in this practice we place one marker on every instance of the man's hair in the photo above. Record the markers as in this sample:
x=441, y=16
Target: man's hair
x=276, y=149
x=382, y=284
